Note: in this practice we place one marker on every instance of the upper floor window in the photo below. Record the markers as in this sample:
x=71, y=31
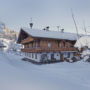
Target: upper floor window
x=60, y=45
x=68, y=45
x=36, y=44
x=49, y=45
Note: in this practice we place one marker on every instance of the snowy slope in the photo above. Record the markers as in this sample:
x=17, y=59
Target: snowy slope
x=16, y=74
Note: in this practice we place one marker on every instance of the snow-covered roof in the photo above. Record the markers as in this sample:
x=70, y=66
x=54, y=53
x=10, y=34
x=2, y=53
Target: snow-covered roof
x=50, y=34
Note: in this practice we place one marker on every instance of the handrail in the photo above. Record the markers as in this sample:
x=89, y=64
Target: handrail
x=48, y=49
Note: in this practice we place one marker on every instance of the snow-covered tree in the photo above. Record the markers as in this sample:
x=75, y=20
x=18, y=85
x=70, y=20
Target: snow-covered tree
x=83, y=45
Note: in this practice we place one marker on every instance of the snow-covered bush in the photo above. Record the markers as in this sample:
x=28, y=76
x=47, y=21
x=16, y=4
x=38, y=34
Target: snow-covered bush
x=85, y=55
x=83, y=42
x=83, y=45
x=11, y=46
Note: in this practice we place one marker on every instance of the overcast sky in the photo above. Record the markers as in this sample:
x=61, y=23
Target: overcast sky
x=17, y=13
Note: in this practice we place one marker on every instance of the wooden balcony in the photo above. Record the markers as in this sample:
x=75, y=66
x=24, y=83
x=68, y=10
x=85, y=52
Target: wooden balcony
x=27, y=40
x=33, y=50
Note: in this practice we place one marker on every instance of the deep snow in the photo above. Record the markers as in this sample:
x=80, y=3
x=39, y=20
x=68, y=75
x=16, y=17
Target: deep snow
x=16, y=74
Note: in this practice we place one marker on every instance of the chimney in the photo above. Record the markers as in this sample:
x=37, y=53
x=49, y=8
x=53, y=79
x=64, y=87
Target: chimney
x=44, y=29
x=47, y=28
x=62, y=30
x=31, y=25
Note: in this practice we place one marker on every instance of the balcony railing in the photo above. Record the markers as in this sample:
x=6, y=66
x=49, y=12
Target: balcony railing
x=48, y=49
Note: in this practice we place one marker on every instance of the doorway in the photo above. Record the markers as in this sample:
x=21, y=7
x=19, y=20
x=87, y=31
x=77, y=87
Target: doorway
x=61, y=57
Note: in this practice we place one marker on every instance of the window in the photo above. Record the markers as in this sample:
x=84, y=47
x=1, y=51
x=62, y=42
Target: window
x=52, y=56
x=31, y=44
x=36, y=44
x=36, y=56
x=49, y=45
x=60, y=45
x=69, y=55
x=32, y=55
x=25, y=54
x=29, y=54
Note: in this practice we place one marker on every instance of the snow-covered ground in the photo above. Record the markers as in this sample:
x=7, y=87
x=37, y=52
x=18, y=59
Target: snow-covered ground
x=16, y=74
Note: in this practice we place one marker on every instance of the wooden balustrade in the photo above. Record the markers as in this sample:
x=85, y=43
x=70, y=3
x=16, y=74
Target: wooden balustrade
x=47, y=49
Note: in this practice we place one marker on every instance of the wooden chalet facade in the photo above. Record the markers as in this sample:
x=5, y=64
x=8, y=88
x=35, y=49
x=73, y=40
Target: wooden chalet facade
x=43, y=46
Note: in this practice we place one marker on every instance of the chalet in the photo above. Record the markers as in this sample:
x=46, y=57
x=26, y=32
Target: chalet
x=43, y=46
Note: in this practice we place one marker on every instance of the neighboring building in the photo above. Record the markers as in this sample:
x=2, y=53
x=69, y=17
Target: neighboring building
x=42, y=45
x=7, y=33
x=10, y=34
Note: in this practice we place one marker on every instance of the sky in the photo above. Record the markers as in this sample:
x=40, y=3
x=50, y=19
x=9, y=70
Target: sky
x=18, y=13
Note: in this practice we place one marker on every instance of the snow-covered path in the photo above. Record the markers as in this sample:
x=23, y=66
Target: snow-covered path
x=16, y=74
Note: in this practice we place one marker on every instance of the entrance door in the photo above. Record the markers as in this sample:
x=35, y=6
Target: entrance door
x=61, y=57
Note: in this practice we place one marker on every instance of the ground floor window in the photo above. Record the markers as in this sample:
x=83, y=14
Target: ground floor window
x=66, y=54
x=69, y=55
x=52, y=56
x=36, y=56
x=32, y=55
x=29, y=54
x=25, y=54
